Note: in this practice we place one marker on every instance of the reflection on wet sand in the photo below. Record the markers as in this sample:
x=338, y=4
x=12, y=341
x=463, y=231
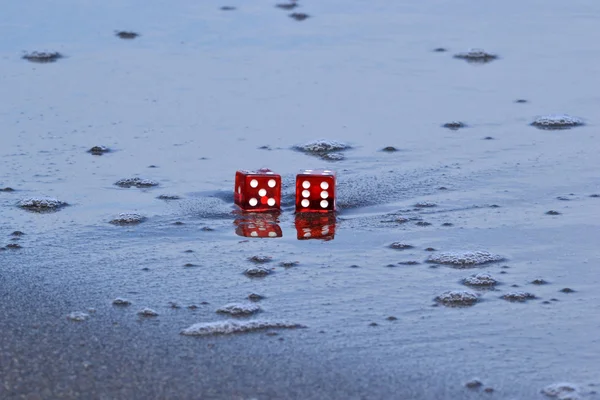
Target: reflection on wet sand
x=263, y=225
x=315, y=226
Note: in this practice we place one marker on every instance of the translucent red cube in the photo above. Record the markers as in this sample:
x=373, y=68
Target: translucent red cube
x=315, y=226
x=315, y=191
x=257, y=190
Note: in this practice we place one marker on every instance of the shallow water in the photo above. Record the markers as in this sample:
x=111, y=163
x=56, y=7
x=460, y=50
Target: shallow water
x=196, y=96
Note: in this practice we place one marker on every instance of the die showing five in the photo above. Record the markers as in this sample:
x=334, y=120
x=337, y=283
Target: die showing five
x=257, y=190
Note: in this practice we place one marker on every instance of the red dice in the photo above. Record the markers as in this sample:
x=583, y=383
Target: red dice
x=258, y=228
x=315, y=226
x=257, y=190
x=315, y=191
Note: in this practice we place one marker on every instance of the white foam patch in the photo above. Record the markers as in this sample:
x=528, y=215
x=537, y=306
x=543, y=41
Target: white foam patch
x=557, y=121
x=333, y=156
x=137, y=182
x=562, y=391
x=518, y=296
x=78, y=316
x=128, y=219
x=239, y=309
x=147, y=312
x=229, y=327
x=41, y=203
x=457, y=298
x=119, y=301
x=257, y=271
x=482, y=279
x=464, y=258
x=476, y=55
x=322, y=146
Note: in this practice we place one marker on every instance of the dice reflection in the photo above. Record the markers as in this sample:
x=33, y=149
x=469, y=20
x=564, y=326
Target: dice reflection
x=315, y=226
x=258, y=226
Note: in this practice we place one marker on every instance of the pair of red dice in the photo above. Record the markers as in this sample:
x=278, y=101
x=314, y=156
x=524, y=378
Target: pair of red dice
x=260, y=190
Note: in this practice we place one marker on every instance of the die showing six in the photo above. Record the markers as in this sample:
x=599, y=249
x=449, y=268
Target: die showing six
x=257, y=190
x=315, y=191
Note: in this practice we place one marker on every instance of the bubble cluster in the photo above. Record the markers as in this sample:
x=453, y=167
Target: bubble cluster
x=325, y=149
x=519, y=297
x=464, y=259
x=482, y=279
x=128, y=219
x=239, y=309
x=230, y=327
x=257, y=272
x=41, y=204
x=476, y=56
x=135, y=182
x=562, y=391
x=457, y=298
x=42, y=56
x=78, y=316
x=557, y=121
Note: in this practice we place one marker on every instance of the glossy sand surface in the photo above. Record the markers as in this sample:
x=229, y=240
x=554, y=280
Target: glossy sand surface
x=196, y=96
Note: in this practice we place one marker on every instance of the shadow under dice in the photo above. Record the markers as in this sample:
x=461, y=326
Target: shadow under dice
x=257, y=190
x=315, y=191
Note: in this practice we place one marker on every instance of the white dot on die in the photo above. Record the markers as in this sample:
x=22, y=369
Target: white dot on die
x=307, y=234
x=324, y=185
x=271, y=202
x=324, y=203
x=306, y=184
x=254, y=233
x=262, y=192
x=305, y=203
x=272, y=234
x=239, y=190
x=254, y=183
x=324, y=194
x=253, y=202
x=306, y=193
x=272, y=183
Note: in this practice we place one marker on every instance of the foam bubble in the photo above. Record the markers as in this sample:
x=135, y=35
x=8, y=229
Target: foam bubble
x=137, y=182
x=482, y=279
x=518, y=296
x=454, y=125
x=119, y=301
x=78, y=316
x=457, y=298
x=260, y=259
x=98, y=150
x=147, y=312
x=562, y=391
x=333, y=156
x=464, y=259
x=128, y=219
x=41, y=204
x=321, y=146
x=557, y=121
x=229, y=327
x=257, y=272
x=42, y=56
x=239, y=309
x=476, y=56
x=400, y=246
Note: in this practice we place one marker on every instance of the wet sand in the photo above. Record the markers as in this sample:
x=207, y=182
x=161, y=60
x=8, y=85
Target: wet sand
x=203, y=91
